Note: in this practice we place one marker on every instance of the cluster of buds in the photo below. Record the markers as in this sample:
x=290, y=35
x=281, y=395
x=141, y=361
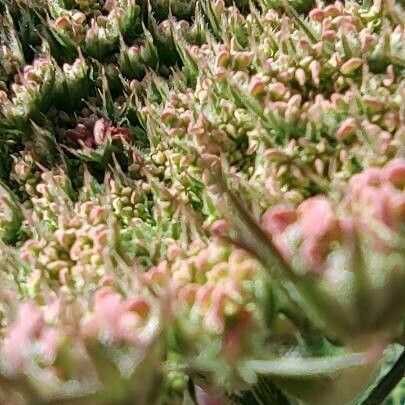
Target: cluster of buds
x=134, y=60
x=30, y=94
x=353, y=250
x=98, y=31
x=25, y=173
x=48, y=347
x=76, y=253
x=276, y=99
x=72, y=84
x=121, y=321
x=214, y=296
x=126, y=201
x=50, y=191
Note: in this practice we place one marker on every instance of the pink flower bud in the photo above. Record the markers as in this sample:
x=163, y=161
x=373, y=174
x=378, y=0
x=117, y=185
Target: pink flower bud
x=350, y=66
x=187, y=294
x=220, y=270
x=317, y=14
x=108, y=305
x=256, y=86
x=315, y=68
x=373, y=103
x=329, y=35
x=168, y=114
x=100, y=131
x=203, y=296
x=317, y=218
x=219, y=227
x=347, y=127
x=97, y=214
x=62, y=23
x=300, y=76
x=394, y=172
x=174, y=251
x=369, y=177
x=278, y=218
x=367, y=41
x=331, y=11
x=138, y=305
x=277, y=90
x=223, y=58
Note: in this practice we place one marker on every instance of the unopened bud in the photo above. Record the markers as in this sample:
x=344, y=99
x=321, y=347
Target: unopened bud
x=347, y=127
x=350, y=66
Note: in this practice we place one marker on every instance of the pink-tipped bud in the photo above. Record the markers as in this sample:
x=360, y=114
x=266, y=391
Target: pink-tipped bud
x=223, y=58
x=347, y=127
x=351, y=66
x=317, y=14
x=174, y=251
x=300, y=76
x=187, y=294
x=331, y=11
x=367, y=41
x=373, y=103
x=317, y=218
x=79, y=17
x=370, y=177
x=278, y=218
x=219, y=227
x=277, y=90
x=394, y=172
x=256, y=86
x=329, y=35
x=62, y=23
x=315, y=68
x=138, y=305
x=100, y=131
x=168, y=115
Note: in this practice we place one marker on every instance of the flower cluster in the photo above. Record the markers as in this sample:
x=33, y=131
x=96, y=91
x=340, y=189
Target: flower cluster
x=197, y=193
